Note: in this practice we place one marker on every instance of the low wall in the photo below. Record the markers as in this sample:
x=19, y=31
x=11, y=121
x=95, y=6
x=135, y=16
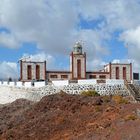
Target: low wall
x=23, y=84
x=60, y=83
x=12, y=83
x=19, y=84
x=102, y=89
x=28, y=84
x=114, y=81
x=87, y=82
x=5, y=83
x=39, y=84
x=11, y=93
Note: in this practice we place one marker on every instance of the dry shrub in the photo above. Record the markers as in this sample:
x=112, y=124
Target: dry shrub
x=130, y=117
x=62, y=93
x=106, y=99
x=90, y=93
x=98, y=109
x=119, y=99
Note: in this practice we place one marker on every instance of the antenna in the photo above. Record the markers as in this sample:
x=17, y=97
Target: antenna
x=24, y=58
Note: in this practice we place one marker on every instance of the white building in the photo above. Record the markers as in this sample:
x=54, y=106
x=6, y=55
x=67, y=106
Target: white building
x=30, y=70
x=37, y=70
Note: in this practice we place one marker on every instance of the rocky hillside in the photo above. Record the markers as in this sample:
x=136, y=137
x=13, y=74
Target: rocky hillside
x=70, y=117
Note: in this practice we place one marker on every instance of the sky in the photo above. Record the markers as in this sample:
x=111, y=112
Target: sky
x=109, y=31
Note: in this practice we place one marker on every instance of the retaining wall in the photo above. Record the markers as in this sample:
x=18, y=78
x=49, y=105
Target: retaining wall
x=59, y=83
x=11, y=93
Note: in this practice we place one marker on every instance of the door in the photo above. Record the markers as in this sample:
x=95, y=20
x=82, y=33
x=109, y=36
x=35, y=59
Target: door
x=37, y=72
x=29, y=72
x=79, y=69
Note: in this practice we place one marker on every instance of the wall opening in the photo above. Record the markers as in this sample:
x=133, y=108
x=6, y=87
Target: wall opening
x=79, y=69
x=64, y=76
x=92, y=76
x=53, y=76
x=37, y=72
x=102, y=76
x=117, y=72
x=29, y=72
x=124, y=73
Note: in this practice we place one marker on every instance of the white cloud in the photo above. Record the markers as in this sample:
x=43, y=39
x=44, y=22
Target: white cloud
x=132, y=42
x=131, y=36
x=43, y=22
x=95, y=65
x=52, y=25
x=117, y=14
x=8, y=69
x=8, y=40
x=50, y=60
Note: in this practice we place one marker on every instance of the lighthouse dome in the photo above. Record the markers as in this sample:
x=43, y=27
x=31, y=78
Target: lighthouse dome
x=77, y=48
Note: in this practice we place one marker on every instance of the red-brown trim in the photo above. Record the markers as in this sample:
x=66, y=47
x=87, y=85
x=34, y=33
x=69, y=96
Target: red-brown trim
x=130, y=71
x=85, y=64
x=110, y=68
x=120, y=64
x=45, y=74
x=32, y=61
x=97, y=72
x=72, y=65
x=59, y=72
x=20, y=70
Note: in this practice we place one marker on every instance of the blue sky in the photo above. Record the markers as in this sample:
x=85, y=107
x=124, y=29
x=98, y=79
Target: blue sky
x=48, y=30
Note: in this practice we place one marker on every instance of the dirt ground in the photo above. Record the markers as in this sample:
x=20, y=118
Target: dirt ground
x=70, y=117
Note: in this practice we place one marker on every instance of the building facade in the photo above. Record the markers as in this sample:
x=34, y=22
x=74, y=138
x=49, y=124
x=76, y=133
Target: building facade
x=119, y=71
x=30, y=70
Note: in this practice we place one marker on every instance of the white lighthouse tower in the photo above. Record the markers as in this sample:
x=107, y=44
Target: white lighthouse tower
x=78, y=62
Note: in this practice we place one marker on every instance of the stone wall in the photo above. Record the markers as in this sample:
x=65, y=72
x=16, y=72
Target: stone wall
x=102, y=89
x=10, y=93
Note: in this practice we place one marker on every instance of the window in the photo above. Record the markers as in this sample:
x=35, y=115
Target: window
x=92, y=76
x=102, y=76
x=53, y=76
x=136, y=76
x=64, y=76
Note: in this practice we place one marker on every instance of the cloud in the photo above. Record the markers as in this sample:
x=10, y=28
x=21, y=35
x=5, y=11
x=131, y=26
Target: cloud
x=8, y=40
x=135, y=63
x=40, y=57
x=53, y=26
x=115, y=13
x=132, y=42
x=8, y=69
x=43, y=22
x=92, y=43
